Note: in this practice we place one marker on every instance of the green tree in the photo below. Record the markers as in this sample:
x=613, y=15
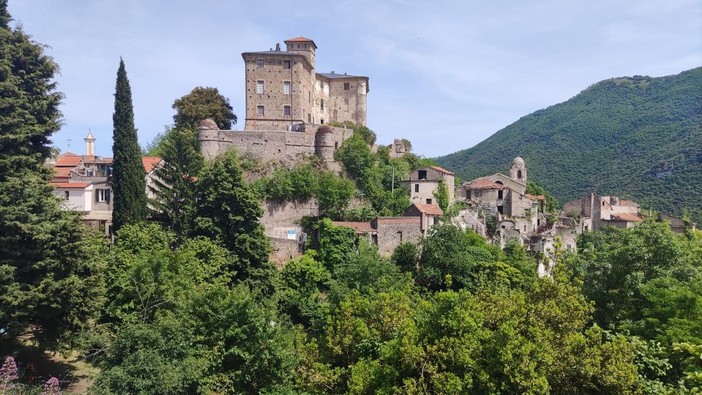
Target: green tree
x=50, y=283
x=203, y=103
x=228, y=211
x=174, y=184
x=442, y=195
x=333, y=195
x=129, y=189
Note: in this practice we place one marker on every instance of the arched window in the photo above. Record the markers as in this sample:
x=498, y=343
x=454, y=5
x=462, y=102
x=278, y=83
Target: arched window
x=519, y=174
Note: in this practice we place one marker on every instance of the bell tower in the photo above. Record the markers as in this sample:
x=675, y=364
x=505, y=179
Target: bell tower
x=518, y=171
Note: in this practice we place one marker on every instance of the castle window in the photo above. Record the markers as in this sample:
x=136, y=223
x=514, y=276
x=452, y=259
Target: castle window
x=321, y=121
x=287, y=111
x=260, y=110
x=286, y=64
x=286, y=87
x=519, y=174
x=416, y=187
x=309, y=118
x=259, y=63
x=321, y=104
x=499, y=194
x=259, y=87
x=347, y=86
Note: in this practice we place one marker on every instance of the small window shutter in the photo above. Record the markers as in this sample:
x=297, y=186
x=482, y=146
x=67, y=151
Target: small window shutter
x=107, y=195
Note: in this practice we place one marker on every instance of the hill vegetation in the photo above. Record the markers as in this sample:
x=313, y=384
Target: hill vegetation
x=636, y=137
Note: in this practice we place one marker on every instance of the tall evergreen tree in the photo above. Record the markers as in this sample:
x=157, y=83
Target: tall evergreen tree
x=128, y=183
x=174, y=184
x=49, y=285
x=229, y=211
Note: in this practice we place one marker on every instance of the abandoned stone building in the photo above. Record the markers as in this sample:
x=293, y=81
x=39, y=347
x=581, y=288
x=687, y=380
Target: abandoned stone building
x=424, y=183
x=594, y=212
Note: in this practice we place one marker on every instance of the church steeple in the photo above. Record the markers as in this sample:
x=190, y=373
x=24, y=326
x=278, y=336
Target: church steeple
x=89, y=145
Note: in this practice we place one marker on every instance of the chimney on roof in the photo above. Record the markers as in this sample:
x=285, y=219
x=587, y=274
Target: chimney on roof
x=89, y=145
x=277, y=47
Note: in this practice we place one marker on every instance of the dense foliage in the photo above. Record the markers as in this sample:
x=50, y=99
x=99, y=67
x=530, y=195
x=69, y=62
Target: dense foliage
x=50, y=284
x=637, y=137
x=191, y=305
x=203, y=103
x=128, y=186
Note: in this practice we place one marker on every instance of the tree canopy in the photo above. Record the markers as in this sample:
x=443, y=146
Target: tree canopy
x=203, y=103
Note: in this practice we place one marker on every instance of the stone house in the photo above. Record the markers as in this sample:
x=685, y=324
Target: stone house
x=424, y=183
x=389, y=232
x=595, y=212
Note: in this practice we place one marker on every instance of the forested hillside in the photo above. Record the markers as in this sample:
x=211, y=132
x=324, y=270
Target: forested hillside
x=637, y=137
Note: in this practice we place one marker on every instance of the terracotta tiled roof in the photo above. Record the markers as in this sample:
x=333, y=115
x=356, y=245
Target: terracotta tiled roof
x=429, y=209
x=482, y=183
x=626, y=217
x=62, y=172
x=68, y=159
x=150, y=162
x=359, y=227
x=70, y=185
x=299, y=39
x=441, y=170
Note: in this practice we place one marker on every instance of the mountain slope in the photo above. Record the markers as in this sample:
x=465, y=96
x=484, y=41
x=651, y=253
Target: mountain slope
x=636, y=137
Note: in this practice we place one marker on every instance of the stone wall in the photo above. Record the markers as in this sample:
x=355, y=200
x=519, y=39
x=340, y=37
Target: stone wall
x=267, y=145
x=395, y=230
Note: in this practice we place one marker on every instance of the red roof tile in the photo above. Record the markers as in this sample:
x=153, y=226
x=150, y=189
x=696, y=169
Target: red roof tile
x=150, y=162
x=441, y=170
x=70, y=185
x=429, y=209
x=299, y=39
x=482, y=183
x=68, y=159
x=626, y=217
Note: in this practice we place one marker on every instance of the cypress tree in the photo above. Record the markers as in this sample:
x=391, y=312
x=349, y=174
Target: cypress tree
x=49, y=282
x=128, y=183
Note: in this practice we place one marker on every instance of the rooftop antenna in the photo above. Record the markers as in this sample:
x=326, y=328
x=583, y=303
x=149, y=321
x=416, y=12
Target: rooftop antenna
x=69, y=143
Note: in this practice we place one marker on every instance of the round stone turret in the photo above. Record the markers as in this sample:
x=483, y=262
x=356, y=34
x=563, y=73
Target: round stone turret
x=324, y=143
x=208, y=135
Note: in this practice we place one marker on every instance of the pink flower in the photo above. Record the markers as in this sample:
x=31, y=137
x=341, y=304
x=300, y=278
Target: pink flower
x=8, y=371
x=51, y=387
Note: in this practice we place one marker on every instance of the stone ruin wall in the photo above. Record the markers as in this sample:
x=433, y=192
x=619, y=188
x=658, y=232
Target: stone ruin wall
x=268, y=145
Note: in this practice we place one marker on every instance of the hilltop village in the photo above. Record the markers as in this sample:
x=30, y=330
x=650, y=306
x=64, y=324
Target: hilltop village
x=290, y=110
x=301, y=255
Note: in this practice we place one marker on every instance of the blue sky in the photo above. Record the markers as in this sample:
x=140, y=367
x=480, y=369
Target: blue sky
x=444, y=74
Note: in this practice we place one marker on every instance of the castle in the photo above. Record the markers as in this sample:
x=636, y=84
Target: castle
x=287, y=106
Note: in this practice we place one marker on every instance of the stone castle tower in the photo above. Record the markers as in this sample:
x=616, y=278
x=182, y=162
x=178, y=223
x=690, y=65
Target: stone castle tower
x=284, y=89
